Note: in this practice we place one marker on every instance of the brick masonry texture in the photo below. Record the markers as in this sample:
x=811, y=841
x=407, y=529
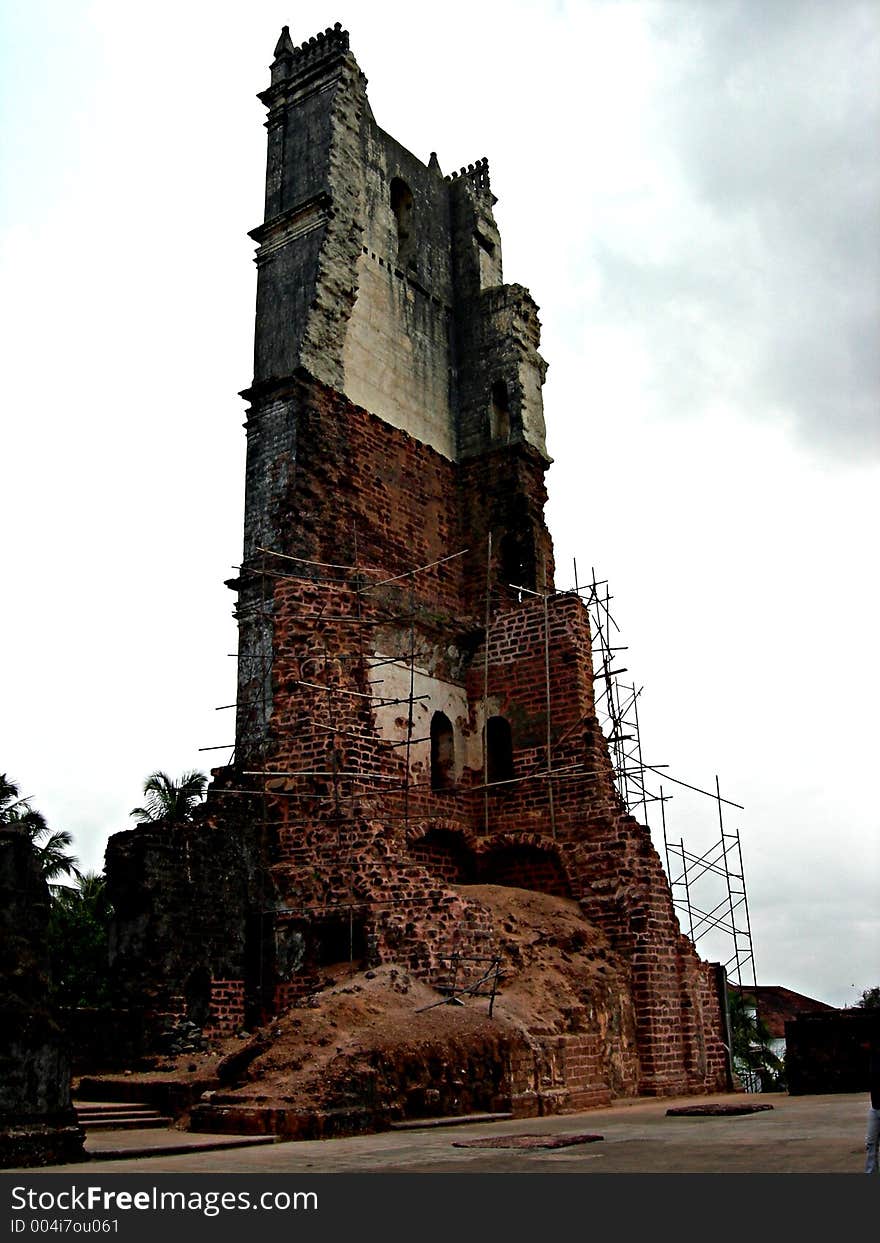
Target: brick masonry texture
x=395, y=422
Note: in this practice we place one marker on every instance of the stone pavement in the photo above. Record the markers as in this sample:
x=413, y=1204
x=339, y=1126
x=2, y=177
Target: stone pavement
x=125, y=1145
x=801, y=1134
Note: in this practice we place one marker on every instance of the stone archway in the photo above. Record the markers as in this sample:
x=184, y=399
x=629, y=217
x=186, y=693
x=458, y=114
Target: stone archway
x=525, y=862
x=445, y=853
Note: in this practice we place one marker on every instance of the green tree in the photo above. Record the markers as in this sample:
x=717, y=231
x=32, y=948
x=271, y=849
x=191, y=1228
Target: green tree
x=51, y=845
x=870, y=999
x=79, y=942
x=750, y=1042
x=171, y=800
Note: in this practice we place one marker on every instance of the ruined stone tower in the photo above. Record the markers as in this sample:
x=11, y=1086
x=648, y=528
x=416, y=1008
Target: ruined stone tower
x=379, y=281
x=415, y=711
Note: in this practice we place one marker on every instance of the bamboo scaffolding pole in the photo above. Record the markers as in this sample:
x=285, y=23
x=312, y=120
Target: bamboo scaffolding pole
x=418, y=570
x=326, y=565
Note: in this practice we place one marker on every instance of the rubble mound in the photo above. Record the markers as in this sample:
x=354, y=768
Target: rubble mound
x=372, y=1047
x=368, y=1048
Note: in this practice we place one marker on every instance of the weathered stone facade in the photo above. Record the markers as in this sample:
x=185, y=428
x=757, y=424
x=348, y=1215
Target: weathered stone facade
x=415, y=706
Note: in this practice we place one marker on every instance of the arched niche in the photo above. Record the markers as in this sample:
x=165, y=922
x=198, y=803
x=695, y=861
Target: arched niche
x=518, y=559
x=403, y=209
x=442, y=752
x=499, y=749
x=523, y=866
x=499, y=412
x=445, y=854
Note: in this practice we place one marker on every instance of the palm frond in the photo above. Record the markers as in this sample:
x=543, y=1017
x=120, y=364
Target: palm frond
x=8, y=794
x=171, y=800
x=50, y=845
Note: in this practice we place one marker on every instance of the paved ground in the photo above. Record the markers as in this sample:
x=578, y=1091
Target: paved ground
x=801, y=1134
x=122, y=1145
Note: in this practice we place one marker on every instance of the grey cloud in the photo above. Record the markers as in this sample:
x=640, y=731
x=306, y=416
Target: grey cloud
x=771, y=116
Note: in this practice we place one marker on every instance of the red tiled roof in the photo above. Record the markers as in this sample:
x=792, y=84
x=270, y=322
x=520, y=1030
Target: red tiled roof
x=776, y=1005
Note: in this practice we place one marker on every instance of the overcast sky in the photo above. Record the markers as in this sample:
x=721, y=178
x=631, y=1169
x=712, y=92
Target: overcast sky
x=690, y=189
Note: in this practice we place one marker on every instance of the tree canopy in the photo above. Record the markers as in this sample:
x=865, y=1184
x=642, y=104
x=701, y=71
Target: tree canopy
x=78, y=936
x=167, y=799
x=50, y=845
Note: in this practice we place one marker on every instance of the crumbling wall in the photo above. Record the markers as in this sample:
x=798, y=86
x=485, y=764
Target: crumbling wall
x=188, y=900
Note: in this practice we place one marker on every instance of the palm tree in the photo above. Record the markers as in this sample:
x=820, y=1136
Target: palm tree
x=171, y=800
x=51, y=847
x=752, y=1057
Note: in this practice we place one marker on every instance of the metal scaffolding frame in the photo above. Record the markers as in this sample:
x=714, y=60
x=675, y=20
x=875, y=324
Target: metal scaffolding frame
x=691, y=875
x=638, y=783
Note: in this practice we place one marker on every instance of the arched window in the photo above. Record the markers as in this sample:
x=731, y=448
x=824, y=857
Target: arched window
x=499, y=412
x=499, y=749
x=402, y=206
x=442, y=752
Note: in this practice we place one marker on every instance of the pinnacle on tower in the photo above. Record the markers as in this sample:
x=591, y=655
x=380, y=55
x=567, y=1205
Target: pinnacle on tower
x=284, y=46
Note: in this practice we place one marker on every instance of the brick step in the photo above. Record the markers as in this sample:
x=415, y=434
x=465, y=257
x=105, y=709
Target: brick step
x=118, y=1116
x=140, y=1122
x=96, y=1109
x=126, y=1093
x=108, y=1119
x=282, y=1122
x=420, y=1124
